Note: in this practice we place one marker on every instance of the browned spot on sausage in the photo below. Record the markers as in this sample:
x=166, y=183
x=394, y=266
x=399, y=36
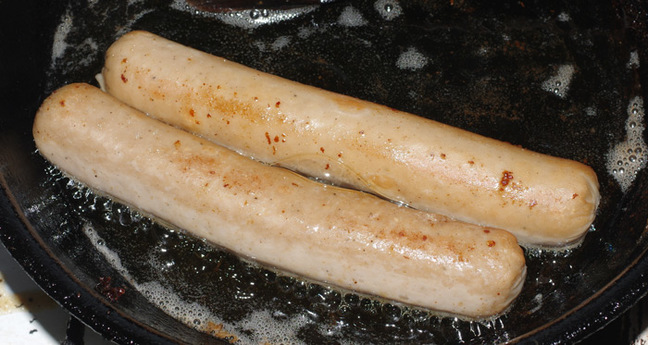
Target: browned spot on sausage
x=486, y=231
x=294, y=184
x=443, y=156
x=123, y=78
x=62, y=102
x=490, y=243
x=507, y=176
x=401, y=233
x=327, y=166
x=124, y=60
x=191, y=113
x=267, y=135
x=276, y=139
x=212, y=172
x=471, y=162
x=226, y=185
x=349, y=103
x=424, y=238
x=575, y=196
x=177, y=144
x=322, y=149
x=208, y=115
x=277, y=104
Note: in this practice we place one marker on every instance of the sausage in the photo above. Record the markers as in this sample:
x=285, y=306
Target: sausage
x=543, y=200
x=343, y=237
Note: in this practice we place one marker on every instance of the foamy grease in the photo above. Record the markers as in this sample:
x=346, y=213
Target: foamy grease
x=351, y=17
x=259, y=327
x=633, y=62
x=411, y=59
x=558, y=84
x=388, y=9
x=87, y=51
x=626, y=158
x=564, y=17
x=280, y=43
x=60, y=35
x=247, y=19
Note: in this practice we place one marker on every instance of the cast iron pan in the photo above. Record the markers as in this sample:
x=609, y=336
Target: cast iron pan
x=559, y=77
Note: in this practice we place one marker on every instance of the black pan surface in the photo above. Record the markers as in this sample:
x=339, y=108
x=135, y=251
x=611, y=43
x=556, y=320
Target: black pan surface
x=559, y=77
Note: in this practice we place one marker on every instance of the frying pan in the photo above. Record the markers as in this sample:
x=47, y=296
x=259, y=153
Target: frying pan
x=558, y=77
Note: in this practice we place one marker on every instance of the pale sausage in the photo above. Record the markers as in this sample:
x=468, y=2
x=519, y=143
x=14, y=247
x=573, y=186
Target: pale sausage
x=338, y=236
x=543, y=200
